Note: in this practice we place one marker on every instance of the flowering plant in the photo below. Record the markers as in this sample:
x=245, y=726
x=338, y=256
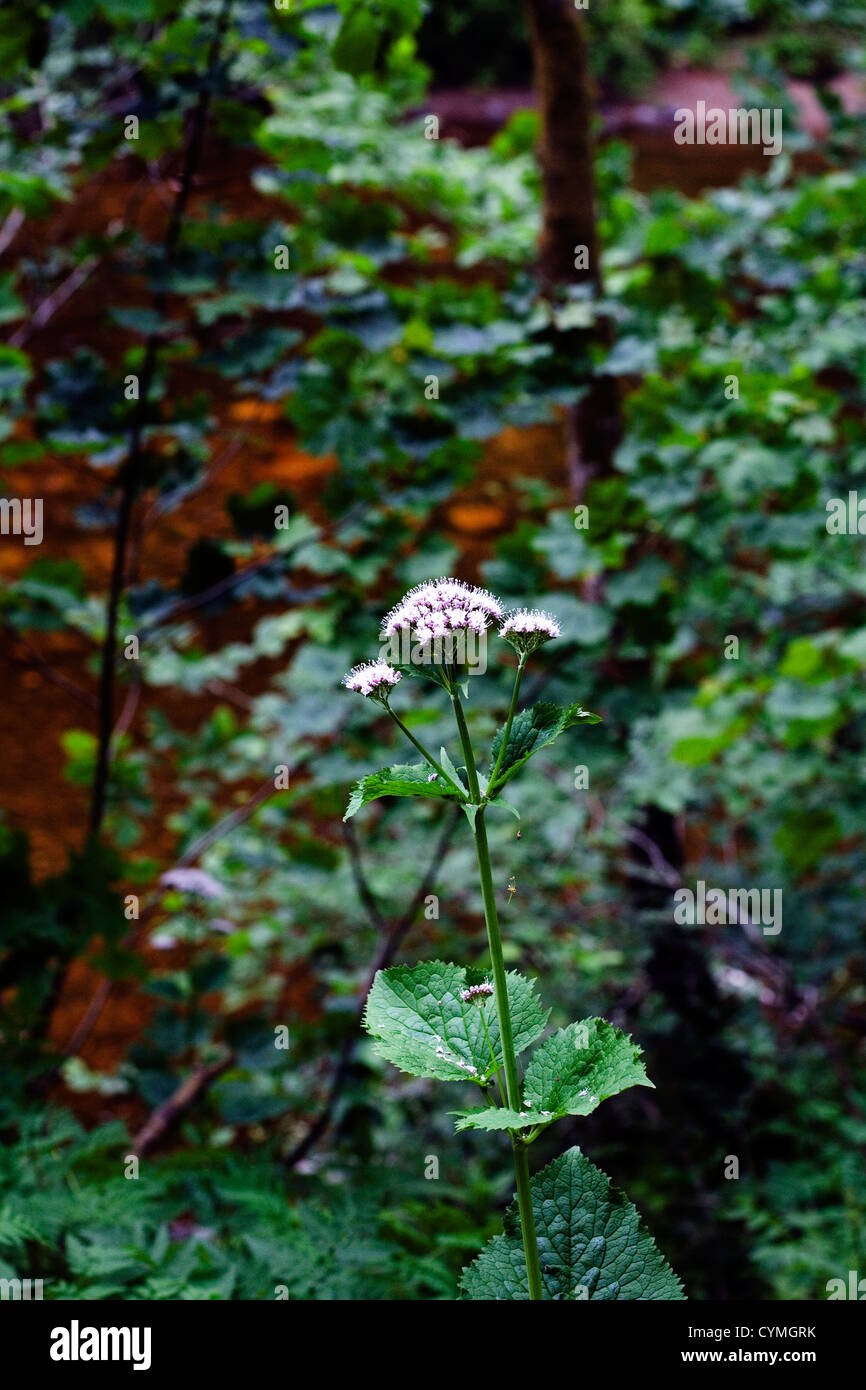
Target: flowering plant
x=570, y=1234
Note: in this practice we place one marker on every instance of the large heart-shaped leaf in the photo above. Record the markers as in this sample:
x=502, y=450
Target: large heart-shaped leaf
x=420, y=1023
x=591, y=1243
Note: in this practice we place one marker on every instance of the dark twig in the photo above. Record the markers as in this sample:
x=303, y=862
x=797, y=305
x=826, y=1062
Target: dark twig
x=365, y=892
x=388, y=946
x=195, y=849
x=84, y=697
x=179, y=607
x=12, y=224
x=186, y=1095
x=228, y=823
x=130, y=473
x=48, y=308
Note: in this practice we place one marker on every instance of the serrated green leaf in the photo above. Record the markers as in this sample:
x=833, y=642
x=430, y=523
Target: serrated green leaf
x=534, y=729
x=578, y=1067
x=591, y=1243
x=420, y=1023
x=498, y=1117
x=572, y=1072
x=403, y=779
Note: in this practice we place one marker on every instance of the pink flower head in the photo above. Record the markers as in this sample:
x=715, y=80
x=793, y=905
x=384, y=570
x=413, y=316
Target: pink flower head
x=527, y=629
x=439, y=607
x=375, y=678
x=477, y=994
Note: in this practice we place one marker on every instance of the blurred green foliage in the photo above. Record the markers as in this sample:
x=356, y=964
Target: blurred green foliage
x=485, y=42
x=412, y=258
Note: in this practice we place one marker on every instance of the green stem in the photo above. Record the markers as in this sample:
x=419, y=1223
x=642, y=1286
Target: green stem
x=527, y=1217
x=521, y=665
x=497, y=1070
x=466, y=745
x=512, y=1081
x=424, y=753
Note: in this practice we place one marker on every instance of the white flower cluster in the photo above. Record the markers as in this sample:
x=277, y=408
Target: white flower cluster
x=443, y=609
x=374, y=678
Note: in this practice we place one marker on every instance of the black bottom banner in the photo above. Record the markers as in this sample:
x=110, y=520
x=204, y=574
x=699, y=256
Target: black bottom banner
x=222, y=1340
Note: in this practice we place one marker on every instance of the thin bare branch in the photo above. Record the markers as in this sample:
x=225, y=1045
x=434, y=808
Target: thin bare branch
x=385, y=953
x=49, y=306
x=12, y=224
x=191, y=1089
